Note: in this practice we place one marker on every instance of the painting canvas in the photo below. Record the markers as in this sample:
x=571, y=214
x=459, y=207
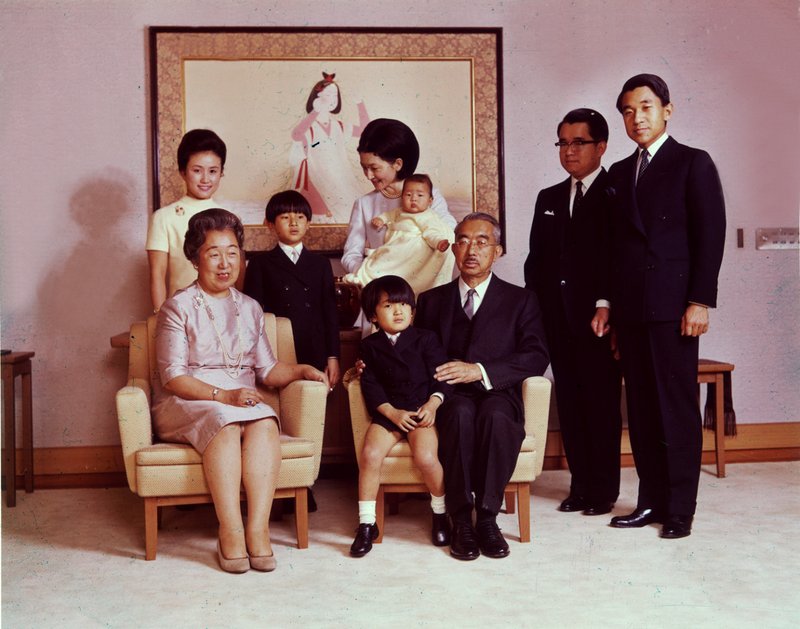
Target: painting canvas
x=259, y=108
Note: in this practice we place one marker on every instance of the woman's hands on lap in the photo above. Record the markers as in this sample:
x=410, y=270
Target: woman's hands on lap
x=239, y=397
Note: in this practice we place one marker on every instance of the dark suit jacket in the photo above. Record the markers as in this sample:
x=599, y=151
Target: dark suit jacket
x=303, y=292
x=568, y=263
x=401, y=374
x=507, y=332
x=668, y=234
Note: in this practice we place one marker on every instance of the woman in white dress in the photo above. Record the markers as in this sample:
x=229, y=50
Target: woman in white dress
x=389, y=152
x=211, y=350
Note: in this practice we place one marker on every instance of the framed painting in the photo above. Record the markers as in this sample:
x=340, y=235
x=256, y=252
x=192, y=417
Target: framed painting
x=256, y=87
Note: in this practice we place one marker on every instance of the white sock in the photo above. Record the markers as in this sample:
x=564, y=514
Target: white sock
x=366, y=511
x=437, y=504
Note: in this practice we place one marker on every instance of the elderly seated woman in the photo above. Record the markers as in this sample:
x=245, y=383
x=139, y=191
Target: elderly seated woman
x=211, y=350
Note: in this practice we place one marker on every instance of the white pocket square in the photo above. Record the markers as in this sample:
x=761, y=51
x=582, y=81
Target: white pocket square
x=549, y=213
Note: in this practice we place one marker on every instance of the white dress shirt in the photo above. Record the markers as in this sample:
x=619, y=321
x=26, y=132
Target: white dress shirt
x=292, y=252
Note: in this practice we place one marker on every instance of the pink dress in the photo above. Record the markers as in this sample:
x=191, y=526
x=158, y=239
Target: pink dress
x=187, y=344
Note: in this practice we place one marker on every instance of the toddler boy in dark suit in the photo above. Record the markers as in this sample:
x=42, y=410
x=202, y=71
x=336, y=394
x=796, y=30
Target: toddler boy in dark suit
x=402, y=396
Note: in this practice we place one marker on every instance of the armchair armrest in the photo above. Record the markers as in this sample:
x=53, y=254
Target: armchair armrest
x=536, y=400
x=138, y=349
x=302, y=413
x=135, y=428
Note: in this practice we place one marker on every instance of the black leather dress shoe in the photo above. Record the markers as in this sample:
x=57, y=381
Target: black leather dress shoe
x=637, y=519
x=440, y=529
x=365, y=535
x=598, y=508
x=677, y=526
x=491, y=540
x=572, y=503
x=464, y=544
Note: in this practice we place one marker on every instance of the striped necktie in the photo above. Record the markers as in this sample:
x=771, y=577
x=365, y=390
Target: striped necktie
x=643, y=162
x=469, y=304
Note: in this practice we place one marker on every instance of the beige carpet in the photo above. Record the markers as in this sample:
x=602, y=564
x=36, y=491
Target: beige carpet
x=75, y=558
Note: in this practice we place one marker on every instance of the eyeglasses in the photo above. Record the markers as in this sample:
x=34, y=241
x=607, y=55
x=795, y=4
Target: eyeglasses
x=480, y=243
x=575, y=143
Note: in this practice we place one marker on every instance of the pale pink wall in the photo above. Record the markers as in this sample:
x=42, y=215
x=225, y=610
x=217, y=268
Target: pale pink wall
x=75, y=193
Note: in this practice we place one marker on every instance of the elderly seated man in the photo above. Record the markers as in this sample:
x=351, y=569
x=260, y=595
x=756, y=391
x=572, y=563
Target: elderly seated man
x=493, y=333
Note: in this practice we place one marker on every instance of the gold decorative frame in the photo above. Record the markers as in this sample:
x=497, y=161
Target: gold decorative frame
x=171, y=47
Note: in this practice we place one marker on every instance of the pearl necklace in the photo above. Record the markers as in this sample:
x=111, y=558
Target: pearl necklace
x=390, y=196
x=233, y=363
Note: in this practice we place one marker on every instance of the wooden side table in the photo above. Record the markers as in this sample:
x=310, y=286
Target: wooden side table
x=712, y=372
x=17, y=364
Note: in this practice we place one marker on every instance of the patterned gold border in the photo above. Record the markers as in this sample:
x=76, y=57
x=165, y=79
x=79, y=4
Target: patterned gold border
x=170, y=46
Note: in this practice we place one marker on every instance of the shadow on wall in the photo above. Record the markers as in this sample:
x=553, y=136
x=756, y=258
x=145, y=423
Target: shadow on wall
x=90, y=294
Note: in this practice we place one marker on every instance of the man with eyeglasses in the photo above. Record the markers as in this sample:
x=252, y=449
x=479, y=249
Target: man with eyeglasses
x=493, y=333
x=568, y=268
x=668, y=237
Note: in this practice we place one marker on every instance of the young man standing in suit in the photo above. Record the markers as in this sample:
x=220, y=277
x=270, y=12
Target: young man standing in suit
x=668, y=237
x=492, y=332
x=568, y=267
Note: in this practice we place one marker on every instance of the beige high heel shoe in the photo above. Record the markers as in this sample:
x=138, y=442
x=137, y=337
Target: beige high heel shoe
x=236, y=565
x=265, y=563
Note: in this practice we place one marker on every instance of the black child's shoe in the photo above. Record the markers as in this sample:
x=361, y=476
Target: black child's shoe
x=440, y=529
x=365, y=535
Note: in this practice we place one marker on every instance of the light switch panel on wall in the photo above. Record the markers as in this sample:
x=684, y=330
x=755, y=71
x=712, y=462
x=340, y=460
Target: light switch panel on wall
x=777, y=238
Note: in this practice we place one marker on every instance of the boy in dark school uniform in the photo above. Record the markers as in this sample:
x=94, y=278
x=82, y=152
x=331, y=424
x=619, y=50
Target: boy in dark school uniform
x=291, y=281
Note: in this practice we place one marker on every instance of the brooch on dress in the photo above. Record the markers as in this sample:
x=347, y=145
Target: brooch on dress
x=199, y=302
x=179, y=210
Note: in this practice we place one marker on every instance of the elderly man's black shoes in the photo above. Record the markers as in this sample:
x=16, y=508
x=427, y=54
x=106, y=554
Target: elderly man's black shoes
x=639, y=518
x=464, y=544
x=572, y=503
x=491, y=540
x=598, y=508
x=365, y=535
x=677, y=526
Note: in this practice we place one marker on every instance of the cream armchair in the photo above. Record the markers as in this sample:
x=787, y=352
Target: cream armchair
x=399, y=475
x=166, y=474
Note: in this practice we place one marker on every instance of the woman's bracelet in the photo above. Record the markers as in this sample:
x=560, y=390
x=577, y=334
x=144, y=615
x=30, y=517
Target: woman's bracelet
x=214, y=394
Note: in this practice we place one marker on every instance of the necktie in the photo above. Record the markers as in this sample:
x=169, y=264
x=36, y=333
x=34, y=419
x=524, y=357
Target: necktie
x=578, y=196
x=295, y=256
x=643, y=162
x=469, y=304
